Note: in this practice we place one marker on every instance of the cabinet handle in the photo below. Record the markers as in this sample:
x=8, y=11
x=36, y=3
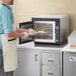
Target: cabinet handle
x=50, y=73
x=36, y=57
x=18, y=61
x=50, y=60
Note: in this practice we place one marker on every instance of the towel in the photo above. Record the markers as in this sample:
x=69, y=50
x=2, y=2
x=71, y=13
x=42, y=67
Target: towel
x=9, y=53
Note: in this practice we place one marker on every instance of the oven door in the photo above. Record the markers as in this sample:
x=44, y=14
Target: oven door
x=26, y=25
x=45, y=31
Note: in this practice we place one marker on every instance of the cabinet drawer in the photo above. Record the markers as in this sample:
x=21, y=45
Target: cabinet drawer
x=50, y=71
x=50, y=58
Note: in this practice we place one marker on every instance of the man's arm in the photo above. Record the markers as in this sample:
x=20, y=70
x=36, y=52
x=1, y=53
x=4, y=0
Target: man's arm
x=19, y=33
x=19, y=30
x=7, y=27
x=15, y=34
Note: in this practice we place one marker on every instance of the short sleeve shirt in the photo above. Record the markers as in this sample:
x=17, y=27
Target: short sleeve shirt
x=6, y=20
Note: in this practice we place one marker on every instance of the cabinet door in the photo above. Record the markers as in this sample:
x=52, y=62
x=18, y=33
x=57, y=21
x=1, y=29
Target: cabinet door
x=51, y=64
x=50, y=58
x=69, y=64
x=28, y=64
x=50, y=70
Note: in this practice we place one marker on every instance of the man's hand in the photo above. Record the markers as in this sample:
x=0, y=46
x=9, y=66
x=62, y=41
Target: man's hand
x=25, y=35
x=31, y=32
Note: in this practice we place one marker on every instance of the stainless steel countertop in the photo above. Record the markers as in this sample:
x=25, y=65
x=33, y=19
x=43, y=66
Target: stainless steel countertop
x=30, y=45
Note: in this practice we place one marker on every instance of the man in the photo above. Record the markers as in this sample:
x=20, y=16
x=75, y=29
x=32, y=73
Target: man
x=6, y=27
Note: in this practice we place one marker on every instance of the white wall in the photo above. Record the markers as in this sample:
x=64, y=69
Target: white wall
x=25, y=9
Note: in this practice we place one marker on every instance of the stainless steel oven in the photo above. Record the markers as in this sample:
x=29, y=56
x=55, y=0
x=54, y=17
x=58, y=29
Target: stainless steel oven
x=52, y=29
